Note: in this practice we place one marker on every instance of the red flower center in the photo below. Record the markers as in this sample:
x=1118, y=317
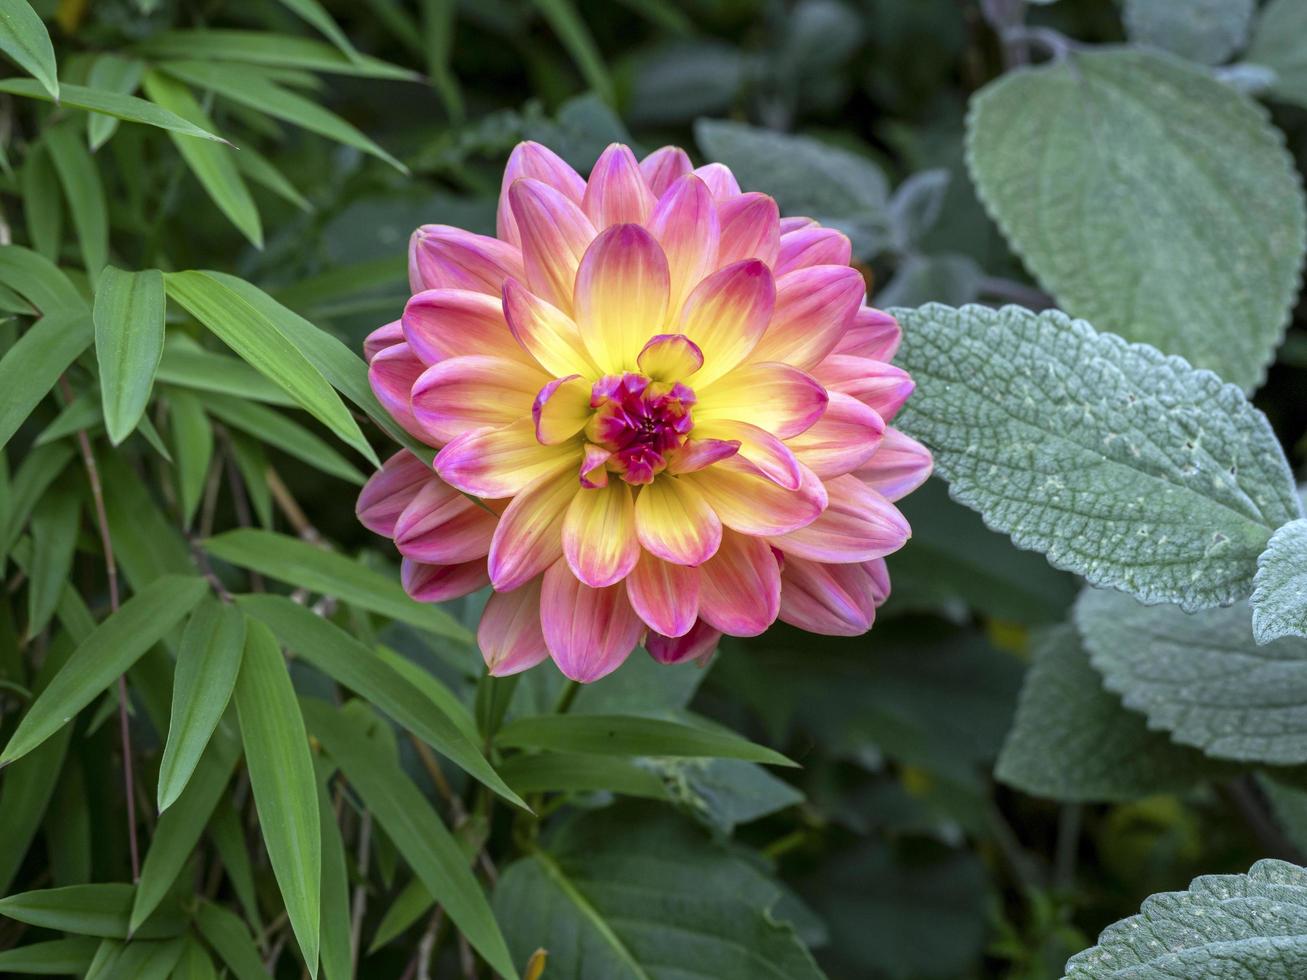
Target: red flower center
x=640, y=422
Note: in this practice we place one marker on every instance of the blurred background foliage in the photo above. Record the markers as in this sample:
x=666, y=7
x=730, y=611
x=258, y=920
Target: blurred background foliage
x=894, y=851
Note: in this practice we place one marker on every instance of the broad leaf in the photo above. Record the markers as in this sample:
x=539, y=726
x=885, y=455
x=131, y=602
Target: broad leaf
x=125, y=107
x=1161, y=204
x=1119, y=463
x=574, y=772
x=627, y=735
x=1280, y=586
x=1201, y=676
x=30, y=368
x=89, y=910
x=129, y=318
x=1223, y=926
x=1206, y=31
x=24, y=39
x=1277, y=44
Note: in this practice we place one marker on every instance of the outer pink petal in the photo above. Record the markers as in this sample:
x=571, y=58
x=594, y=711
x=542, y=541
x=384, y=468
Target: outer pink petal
x=391, y=489
x=616, y=192
x=529, y=537
x=767, y=454
x=621, y=296
x=561, y=409
x=698, y=454
x=440, y=583
x=392, y=374
x=531, y=159
x=509, y=635
x=555, y=234
x=663, y=166
x=872, y=334
x=686, y=225
x=834, y=600
x=465, y=393
x=727, y=315
x=845, y=438
x=444, y=323
x=444, y=257
x=590, y=632
x=876, y=384
x=664, y=595
x=740, y=586
x=548, y=334
x=496, y=463
x=814, y=307
x=599, y=540
x=859, y=525
x=901, y=464
x=381, y=338
x=795, y=222
x=751, y=229
x=698, y=644
x=752, y=504
x=781, y=399
x=813, y=246
x=674, y=522
x=444, y=527
x=720, y=180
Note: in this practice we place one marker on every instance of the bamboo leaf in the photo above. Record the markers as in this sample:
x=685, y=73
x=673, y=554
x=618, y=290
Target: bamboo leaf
x=193, y=367
x=195, y=963
x=85, y=196
x=231, y=940
x=192, y=438
x=39, y=280
x=110, y=73
x=125, y=107
x=269, y=49
x=54, y=536
x=337, y=958
x=24, y=39
x=71, y=955
x=31, y=367
x=280, y=432
x=89, y=910
x=42, y=204
x=567, y=23
x=313, y=13
x=129, y=325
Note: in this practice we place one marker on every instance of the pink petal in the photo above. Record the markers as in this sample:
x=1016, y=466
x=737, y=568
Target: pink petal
x=674, y=522
x=391, y=489
x=443, y=527
x=444, y=257
x=589, y=632
x=762, y=450
x=751, y=229
x=599, y=539
x=621, y=296
x=440, y=583
x=664, y=595
x=813, y=308
x=545, y=332
x=727, y=315
x=880, y=584
x=663, y=166
x=529, y=537
x=686, y=225
x=876, y=384
x=813, y=246
x=776, y=397
x=593, y=472
x=530, y=159
x=698, y=454
x=833, y=600
x=495, y=463
x=719, y=179
x=461, y=394
x=740, y=586
x=698, y=644
x=753, y=504
x=616, y=192
x=859, y=525
x=795, y=222
x=381, y=338
x=392, y=374
x=670, y=357
x=444, y=323
x=872, y=334
x=509, y=635
x=555, y=234
x=562, y=409
x=845, y=438
x=901, y=464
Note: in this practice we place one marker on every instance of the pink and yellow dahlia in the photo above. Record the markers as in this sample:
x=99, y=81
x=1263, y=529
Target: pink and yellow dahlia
x=661, y=412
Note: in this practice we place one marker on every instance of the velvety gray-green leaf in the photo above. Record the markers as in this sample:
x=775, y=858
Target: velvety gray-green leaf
x=1117, y=462
x=31, y=367
x=129, y=322
x=1280, y=586
x=24, y=39
x=1277, y=44
x=1150, y=199
x=1206, y=31
x=627, y=735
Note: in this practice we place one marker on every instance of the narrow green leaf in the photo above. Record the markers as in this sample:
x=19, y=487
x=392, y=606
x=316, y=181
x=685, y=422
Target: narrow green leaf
x=143, y=960
x=42, y=203
x=31, y=367
x=40, y=469
x=85, y=196
x=231, y=940
x=259, y=341
x=435, y=691
x=1280, y=585
x=190, y=366
x=630, y=735
x=57, y=956
x=89, y=910
x=24, y=39
x=110, y=73
x=228, y=835
x=192, y=440
x=567, y=23
x=354, y=665
x=300, y=563
x=337, y=958
x=125, y=107
x=194, y=963
x=406, y=909
x=406, y=816
x=269, y=49
x=68, y=827
x=252, y=463
x=83, y=412
x=281, y=432
x=260, y=170
x=281, y=777
x=39, y=280
x=572, y=772
x=116, y=644
x=146, y=543
x=55, y=523
x=313, y=13
x=437, y=38
x=212, y=165
x=129, y=325
x=208, y=661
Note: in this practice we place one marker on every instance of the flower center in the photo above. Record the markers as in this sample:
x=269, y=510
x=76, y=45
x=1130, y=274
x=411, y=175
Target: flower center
x=640, y=422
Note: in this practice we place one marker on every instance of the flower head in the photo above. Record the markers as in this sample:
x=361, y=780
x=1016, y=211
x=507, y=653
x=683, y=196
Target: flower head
x=661, y=412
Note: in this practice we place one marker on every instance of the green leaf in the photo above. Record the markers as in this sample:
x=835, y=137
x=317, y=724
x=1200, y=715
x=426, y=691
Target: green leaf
x=260, y=170
x=116, y=644
x=42, y=204
x=192, y=439
x=629, y=894
x=314, y=13
x=39, y=280
x=1206, y=31
x=567, y=23
x=24, y=39
x=40, y=468
x=1118, y=463
x=30, y=368
x=57, y=956
x=228, y=835
x=281, y=777
x=149, y=960
x=269, y=49
x=1201, y=676
x=89, y=910
x=256, y=91
x=125, y=107
x=129, y=324
x=1277, y=44
x=281, y=432
x=213, y=166
x=308, y=566
x=408, y=819
x=231, y=940
x=337, y=958
x=55, y=523
x=146, y=543
x=252, y=463
x=259, y=341
x=110, y=73
x=574, y=772
x=627, y=735
x=193, y=367
x=82, y=189
x=721, y=793
x=1280, y=585
x=1224, y=925
x=208, y=661
x=194, y=963
x=68, y=827
x=807, y=177
x=1073, y=741
x=354, y=665
x=1161, y=204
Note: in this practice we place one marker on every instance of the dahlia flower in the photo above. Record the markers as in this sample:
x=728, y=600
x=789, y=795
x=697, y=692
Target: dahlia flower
x=661, y=412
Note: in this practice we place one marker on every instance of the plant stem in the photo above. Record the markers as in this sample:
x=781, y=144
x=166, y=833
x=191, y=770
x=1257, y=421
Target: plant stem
x=566, y=697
